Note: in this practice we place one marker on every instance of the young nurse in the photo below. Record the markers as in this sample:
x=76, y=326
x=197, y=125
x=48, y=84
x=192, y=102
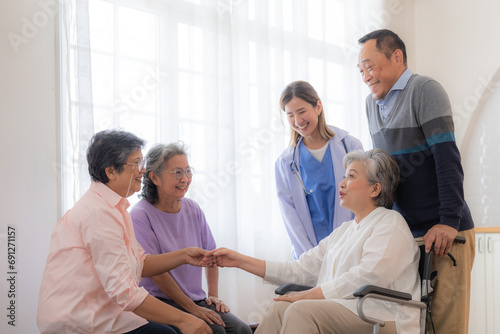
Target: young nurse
x=309, y=172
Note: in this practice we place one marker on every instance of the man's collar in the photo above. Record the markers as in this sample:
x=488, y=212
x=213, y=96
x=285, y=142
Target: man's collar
x=399, y=85
x=403, y=80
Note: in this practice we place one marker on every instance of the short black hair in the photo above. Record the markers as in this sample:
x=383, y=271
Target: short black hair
x=387, y=42
x=110, y=148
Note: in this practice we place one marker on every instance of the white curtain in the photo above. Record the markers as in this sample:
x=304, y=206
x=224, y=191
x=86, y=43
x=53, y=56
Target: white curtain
x=77, y=120
x=210, y=73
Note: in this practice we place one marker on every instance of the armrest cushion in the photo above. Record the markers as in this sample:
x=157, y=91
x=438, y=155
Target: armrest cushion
x=289, y=287
x=366, y=289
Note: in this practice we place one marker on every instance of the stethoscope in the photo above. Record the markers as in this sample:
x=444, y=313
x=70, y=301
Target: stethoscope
x=296, y=170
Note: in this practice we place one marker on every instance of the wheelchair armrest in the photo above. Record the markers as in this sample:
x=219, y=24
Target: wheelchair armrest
x=289, y=287
x=366, y=289
x=375, y=292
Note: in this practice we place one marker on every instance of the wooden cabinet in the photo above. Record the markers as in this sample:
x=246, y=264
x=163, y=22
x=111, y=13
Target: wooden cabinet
x=485, y=288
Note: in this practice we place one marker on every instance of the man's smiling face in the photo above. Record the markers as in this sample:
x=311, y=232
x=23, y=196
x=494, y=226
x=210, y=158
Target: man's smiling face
x=377, y=71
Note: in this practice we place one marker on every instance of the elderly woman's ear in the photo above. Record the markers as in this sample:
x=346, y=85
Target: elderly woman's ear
x=377, y=188
x=153, y=177
x=110, y=173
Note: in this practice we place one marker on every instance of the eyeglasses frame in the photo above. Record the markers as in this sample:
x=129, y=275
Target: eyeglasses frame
x=183, y=172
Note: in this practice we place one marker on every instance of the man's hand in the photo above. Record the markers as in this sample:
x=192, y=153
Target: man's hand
x=442, y=236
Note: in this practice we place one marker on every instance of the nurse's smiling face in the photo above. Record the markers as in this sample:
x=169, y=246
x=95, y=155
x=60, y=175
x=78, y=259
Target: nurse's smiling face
x=169, y=187
x=303, y=116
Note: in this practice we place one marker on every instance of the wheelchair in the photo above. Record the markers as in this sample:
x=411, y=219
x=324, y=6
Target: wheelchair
x=427, y=277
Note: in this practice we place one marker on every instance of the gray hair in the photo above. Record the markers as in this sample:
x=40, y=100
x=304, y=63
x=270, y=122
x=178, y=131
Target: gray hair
x=110, y=148
x=158, y=157
x=382, y=168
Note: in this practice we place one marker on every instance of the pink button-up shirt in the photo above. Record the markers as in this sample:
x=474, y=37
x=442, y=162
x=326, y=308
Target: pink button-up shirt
x=91, y=279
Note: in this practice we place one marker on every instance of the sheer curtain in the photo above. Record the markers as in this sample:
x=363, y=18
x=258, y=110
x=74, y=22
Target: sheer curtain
x=210, y=73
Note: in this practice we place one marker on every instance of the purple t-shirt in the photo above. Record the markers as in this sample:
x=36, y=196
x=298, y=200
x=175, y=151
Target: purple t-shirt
x=160, y=232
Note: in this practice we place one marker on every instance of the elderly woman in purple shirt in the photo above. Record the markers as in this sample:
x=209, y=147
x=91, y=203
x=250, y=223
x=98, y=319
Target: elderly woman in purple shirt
x=165, y=221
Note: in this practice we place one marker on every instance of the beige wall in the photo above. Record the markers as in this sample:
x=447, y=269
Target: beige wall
x=28, y=137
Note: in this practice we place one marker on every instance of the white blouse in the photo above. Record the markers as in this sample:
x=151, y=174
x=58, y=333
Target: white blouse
x=380, y=250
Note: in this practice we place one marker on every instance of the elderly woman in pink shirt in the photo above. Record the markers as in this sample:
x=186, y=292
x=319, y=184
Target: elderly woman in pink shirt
x=91, y=278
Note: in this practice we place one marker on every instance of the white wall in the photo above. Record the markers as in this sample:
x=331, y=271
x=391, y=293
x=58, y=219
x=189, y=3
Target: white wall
x=29, y=186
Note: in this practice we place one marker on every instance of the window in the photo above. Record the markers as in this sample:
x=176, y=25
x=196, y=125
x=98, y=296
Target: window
x=209, y=73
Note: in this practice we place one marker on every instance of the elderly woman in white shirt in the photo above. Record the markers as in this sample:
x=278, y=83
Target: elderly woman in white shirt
x=376, y=247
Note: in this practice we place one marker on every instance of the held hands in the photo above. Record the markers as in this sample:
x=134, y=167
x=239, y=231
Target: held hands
x=223, y=257
x=442, y=236
x=198, y=257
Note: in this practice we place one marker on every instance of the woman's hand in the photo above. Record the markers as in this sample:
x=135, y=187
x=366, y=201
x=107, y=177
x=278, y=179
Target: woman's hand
x=194, y=326
x=292, y=296
x=219, y=304
x=224, y=257
x=207, y=315
x=197, y=257
x=314, y=293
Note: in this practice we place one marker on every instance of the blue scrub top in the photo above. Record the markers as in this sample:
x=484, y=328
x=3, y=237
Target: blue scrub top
x=319, y=177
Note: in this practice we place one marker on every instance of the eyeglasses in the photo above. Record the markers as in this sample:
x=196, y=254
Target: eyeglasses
x=179, y=172
x=140, y=164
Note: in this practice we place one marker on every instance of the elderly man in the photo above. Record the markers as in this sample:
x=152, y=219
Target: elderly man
x=409, y=116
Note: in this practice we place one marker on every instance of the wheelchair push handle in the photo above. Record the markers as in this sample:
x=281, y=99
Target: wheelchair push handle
x=458, y=240
x=428, y=258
